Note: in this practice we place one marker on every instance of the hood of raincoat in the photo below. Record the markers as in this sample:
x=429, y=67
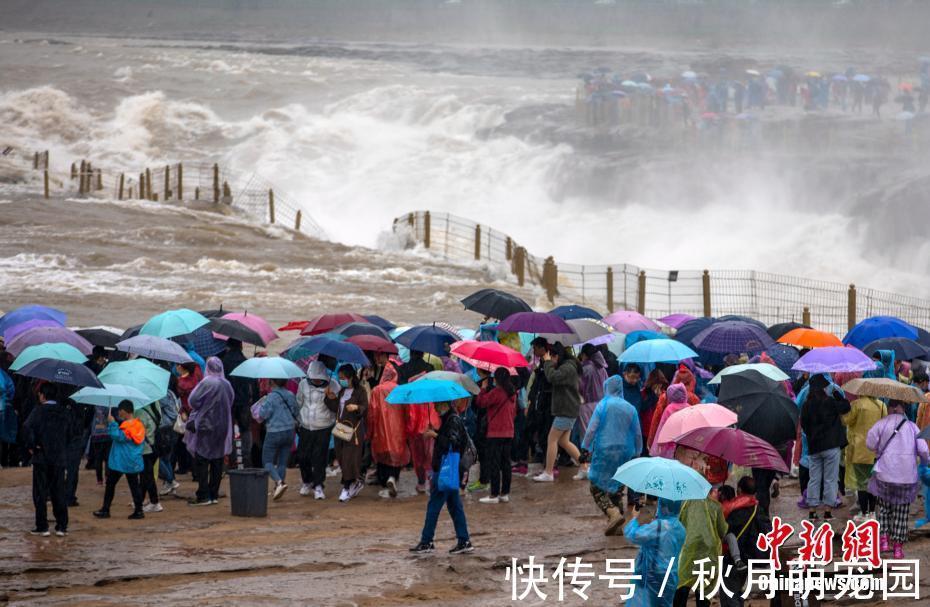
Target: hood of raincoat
x=318, y=370
x=613, y=386
x=311, y=400
x=593, y=376
x=886, y=365
x=676, y=393
x=686, y=377
x=134, y=430
x=388, y=375
x=214, y=367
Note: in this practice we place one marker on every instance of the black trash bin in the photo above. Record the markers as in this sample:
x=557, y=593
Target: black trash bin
x=248, y=492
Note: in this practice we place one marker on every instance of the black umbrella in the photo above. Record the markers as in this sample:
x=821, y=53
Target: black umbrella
x=762, y=406
x=60, y=372
x=748, y=319
x=923, y=337
x=776, y=331
x=131, y=332
x=904, y=348
x=100, y=337
x=354, y=329
x=495, y=303
x=214, y=313
x=236, y=330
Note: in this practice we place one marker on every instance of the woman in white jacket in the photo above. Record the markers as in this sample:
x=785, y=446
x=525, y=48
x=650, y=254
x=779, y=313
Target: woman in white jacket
x=316, y=421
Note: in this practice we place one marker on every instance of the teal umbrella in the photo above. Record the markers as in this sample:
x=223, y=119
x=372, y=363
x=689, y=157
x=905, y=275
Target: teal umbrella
x=111, y=395
x=144, y=376
x=427, y=391
x=268, y=367
x=173, y=323
x=56, y=350
x=657, y=351
x=770, y=371
x=661, y=477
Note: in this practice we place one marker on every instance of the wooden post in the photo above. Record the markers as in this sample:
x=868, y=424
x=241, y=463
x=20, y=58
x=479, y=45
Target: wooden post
x=99, y=179
x=851, y=311
x=550, y=278
x=411, y=219
x=155, y=197
x=297, y=221
x=477, y=243
x=130, y=192
x=141, y=186
x=227, y=193
x=73, y=171
x=271, y=206
x=426, y=229
x=81, y=178
x=806, y=316
x=641, y=295
x=167, y=183
x=518, y=263
x=216, y=183
x=45, y=158
x=705, y=288
x=35, y=160
x=121, y=181
x=148, y=184
x=610, y=289
x=45, y=179
x=196, y=193
x=180, y=182
x=509, y=249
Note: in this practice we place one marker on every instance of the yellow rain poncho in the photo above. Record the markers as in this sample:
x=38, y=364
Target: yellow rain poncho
x=705, y=527
x=859, y=459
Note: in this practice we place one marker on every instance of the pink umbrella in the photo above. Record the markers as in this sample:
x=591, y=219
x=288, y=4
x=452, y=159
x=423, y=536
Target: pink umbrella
x=734, y=446
x=703, y=415
x=627, y=321
x=676, y=320
x=254, y=322
x=487, y=355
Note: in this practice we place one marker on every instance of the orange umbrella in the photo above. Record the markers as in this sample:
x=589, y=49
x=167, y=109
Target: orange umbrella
x=810, y=338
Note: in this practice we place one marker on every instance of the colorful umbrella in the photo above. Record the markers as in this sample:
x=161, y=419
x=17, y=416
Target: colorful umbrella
x=776, y=331
x=574, y=312
x=380, y=322
x=268, y=367
x=174, y=322
x=885, y=387
x=427, y=338
x=47, y=335
x=354, y=329
x=904, y=348
x=810, y=338
x=60, y=372
x=488, y=355
x=878, y=327
x=256, y=323
x=706, y=415
x=56, y=351
x=32, y=312
x=12, y=331
x=141, y=374
x=327, y=322
x=675, y=320
x=228, y=328
x=637, y=336
x=111, y=395
x=459, y=378
x=766, y=369
x=734, y=445
x=99, y=336
x=427, y=391
x=535, y=322
x=155, y=348
x=831, y=360
x=733, y=336
x=657, y=351
x=661, y=477
x=295, y=325
x=627, y=321
x=495, y=303
x=328, y=345
x=372, y=343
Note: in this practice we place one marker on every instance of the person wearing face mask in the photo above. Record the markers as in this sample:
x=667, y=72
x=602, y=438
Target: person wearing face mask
x=316, y=419
x=351, y=404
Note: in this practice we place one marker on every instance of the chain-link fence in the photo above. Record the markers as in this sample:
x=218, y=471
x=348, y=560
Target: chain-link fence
x=768, y=297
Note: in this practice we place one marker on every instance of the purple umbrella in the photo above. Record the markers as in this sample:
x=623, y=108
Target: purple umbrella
x=735, y=446
x=12, y=331
x=44, y=335
x=29, y=313
x=832, y=359
x=676, y=320
x=733, y=337
x=535, y=322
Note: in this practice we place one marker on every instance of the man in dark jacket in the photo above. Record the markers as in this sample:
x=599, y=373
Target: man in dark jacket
x=245, y=393
x=821, y=420
x=413, y=367
x=539, y=409
x=47, y=434
x=82, y=418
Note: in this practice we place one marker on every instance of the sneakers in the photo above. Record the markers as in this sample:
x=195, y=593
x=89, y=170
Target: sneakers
x=615, y=521
x=333, y=471
x=384, y=494
x=544, y=477
x=196, y=502
x=152, y=508
x=462, y=548
x=477, y=486
x=169, y=488
x=344, y=495
x=61, y=532
x=135, y=516
x=813, y=515
x=305, y=489
x=741, y=566
x=520, y=469
x=214, y=502
x=392, y=486
x=279, y=490
x=42, y=532
x=898, y=550
x=318, y=493
x=423, y=548
x=356, y=488
x=581, y=475
x=102, y=513
x=883, y=545
x=504, y=498
x=490, y=500
x=421, y=488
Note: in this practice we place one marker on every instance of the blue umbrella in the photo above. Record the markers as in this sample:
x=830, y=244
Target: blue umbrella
x=689, y=330
x=427, y=338
x=268, y=367
x=904, y=348
x=661, y=477
x=32, y=312
x=657, y=351
x=111, y=395
x=173, y=323
x=733, y=336
x=427, y=391
x=330, y=346
x=878, y=327
x=60, y=372
x=748, y=319
x=574, y=312
x=635, y=337
x=202, y=342
x=354, y=329
x=380, y=322
x=784, y=356
x=143, y=375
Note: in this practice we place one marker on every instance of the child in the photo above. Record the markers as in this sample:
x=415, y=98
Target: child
x=125, y=458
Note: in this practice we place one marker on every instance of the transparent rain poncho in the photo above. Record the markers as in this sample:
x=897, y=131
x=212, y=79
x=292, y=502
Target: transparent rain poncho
x=613, y=436
x=659, y=542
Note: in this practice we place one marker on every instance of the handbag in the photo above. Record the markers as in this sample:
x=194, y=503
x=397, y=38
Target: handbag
x=180, y=424
x=344, y=432
x=256, y=409
x=448, y=479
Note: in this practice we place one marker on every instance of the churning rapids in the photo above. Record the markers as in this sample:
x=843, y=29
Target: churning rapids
x=362, y=133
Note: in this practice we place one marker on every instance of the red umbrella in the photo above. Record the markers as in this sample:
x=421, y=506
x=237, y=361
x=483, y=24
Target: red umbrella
x=487, y=355
x=327, y=322
x=295, y=325
x=373, y=343
x=735, y=446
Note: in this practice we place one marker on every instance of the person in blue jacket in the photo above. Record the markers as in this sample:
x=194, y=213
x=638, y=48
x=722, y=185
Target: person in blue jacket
x=659, y=541
x=125, y=457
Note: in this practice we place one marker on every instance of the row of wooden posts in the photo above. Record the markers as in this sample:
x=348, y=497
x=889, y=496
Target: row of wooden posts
x=549, y=279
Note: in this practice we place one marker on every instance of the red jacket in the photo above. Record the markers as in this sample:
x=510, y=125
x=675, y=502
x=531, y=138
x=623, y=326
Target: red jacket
x=502, y=408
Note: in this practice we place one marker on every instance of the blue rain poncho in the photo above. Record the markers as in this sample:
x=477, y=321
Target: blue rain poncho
x=659, y=542
x=613, y=436
x=923, y=473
